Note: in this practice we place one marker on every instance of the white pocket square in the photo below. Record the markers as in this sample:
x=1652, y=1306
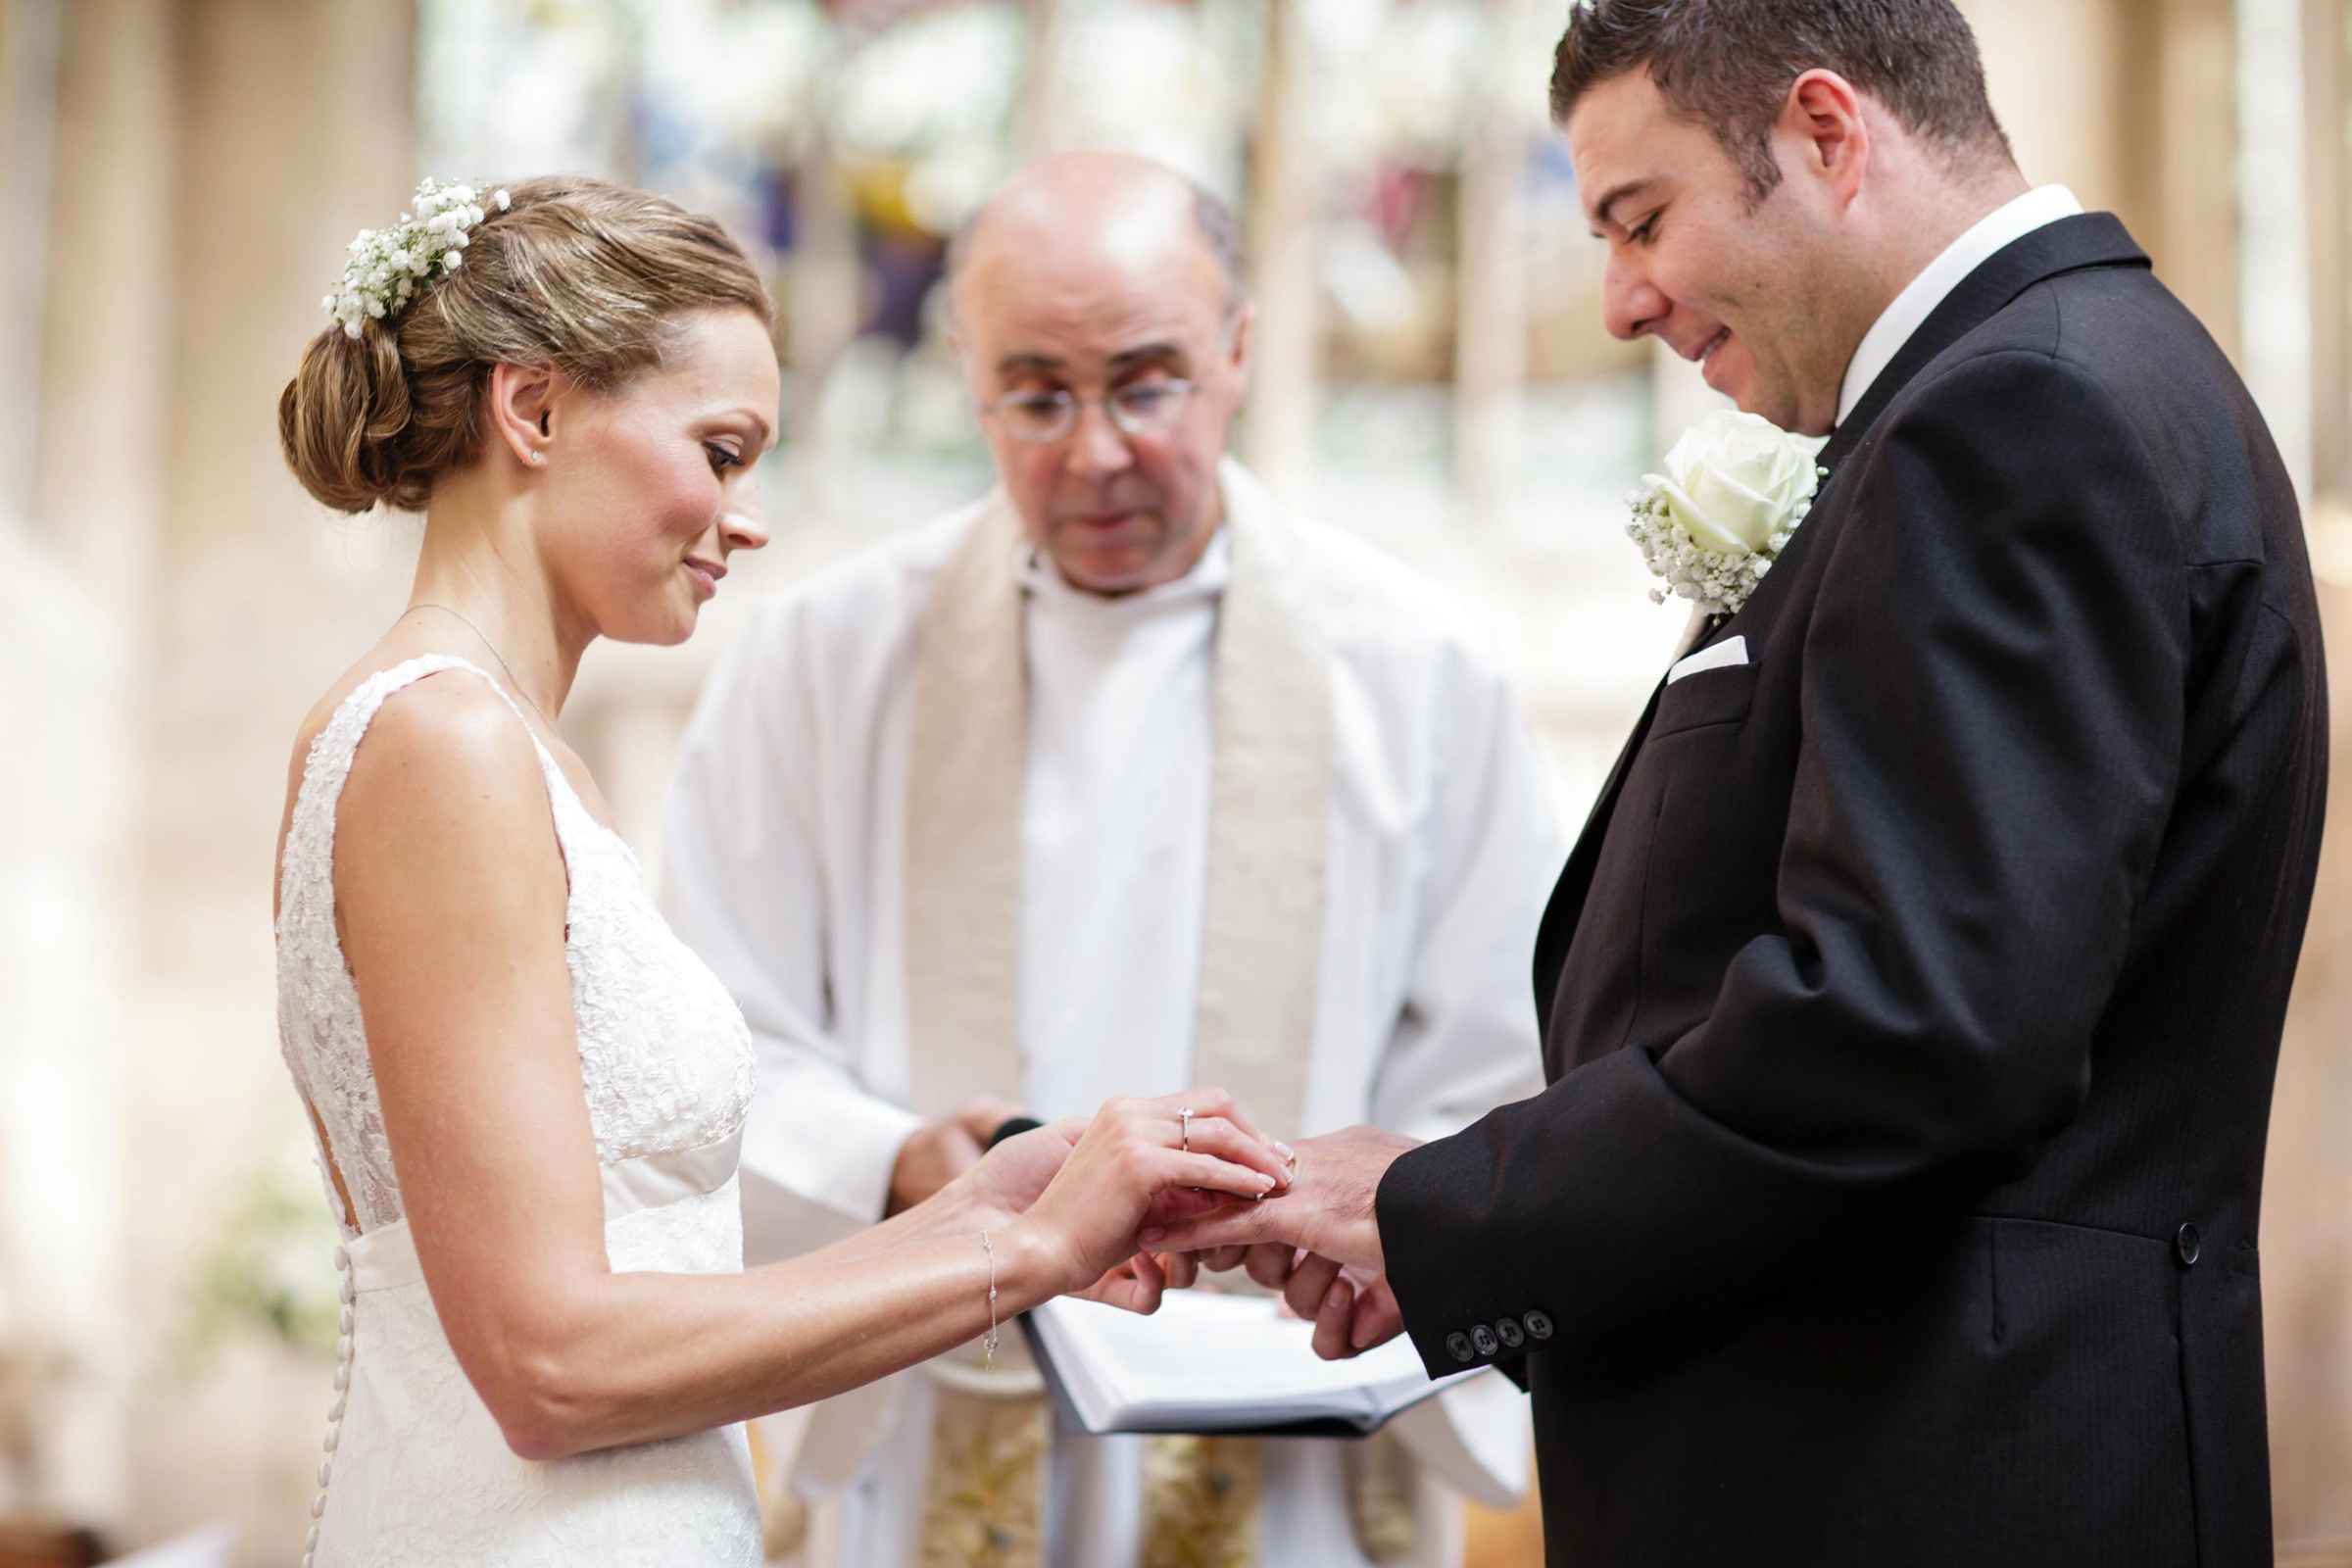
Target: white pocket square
x=1731, y=651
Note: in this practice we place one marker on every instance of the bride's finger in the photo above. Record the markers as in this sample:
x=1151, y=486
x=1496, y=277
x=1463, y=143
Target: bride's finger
x=1223, y=1224
x=1126, y=1288
x=1173, y=1205
x=1205, y=1103
x=1214, y=1135
x=1151, y=1283
x=1173, y=1167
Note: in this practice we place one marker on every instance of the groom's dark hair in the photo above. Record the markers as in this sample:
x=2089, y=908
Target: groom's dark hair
x=1727, y=65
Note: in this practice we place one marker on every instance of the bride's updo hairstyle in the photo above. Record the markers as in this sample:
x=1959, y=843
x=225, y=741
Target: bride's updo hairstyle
x=581, y=274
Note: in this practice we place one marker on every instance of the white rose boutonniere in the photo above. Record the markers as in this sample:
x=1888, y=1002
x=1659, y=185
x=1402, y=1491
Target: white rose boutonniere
x=1735, y=486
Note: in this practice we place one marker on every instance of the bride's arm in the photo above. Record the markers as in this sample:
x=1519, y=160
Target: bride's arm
x=451, y=896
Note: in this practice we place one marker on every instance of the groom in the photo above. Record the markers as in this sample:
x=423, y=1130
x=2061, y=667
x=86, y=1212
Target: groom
x=1912, y=1000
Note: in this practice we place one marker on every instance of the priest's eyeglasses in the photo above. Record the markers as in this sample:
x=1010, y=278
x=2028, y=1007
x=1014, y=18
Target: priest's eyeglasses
x=1139, y=408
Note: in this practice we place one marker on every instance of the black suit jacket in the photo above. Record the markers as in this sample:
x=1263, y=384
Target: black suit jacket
x=1912, y=1000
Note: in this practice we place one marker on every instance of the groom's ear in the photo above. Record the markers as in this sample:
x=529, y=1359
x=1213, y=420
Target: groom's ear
x=1824, y=125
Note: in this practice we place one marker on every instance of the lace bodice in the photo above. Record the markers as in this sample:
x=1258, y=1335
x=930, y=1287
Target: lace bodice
x=420, y=1469
x=665, y=1057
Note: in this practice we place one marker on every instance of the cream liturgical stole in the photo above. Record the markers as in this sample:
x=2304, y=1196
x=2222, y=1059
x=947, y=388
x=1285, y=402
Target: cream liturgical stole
x=1260, y=950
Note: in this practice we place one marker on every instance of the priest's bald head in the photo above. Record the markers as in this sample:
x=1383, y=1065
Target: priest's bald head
x=1100, y=319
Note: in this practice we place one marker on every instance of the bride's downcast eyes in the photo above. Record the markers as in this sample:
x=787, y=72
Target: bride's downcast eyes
x=721, y=458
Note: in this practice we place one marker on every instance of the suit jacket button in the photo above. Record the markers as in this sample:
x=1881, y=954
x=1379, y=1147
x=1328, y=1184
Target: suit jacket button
x=1483, y=1338
x=2184, y=1242
x=1538, y=1326
x=1458, y=1346
x=1508, y=1331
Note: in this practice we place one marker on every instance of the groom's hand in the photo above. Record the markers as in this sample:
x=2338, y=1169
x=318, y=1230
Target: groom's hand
x=1352, y=1309
x=1327, y=1209
x=1372, y=1318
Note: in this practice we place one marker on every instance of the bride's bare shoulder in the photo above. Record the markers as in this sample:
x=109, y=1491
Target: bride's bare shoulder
x=448, y=728
x=436, y=699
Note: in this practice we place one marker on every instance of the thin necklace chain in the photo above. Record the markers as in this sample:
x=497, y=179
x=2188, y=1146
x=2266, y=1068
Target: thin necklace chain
x=494, y=653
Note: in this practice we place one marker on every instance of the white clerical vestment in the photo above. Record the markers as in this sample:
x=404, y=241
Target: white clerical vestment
x=786, y=868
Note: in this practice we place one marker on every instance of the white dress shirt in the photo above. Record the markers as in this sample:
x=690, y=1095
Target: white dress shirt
x=2005, y=224
x=1115, y=835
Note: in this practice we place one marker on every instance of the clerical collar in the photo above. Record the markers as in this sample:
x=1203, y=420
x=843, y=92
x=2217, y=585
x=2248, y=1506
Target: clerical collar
x=1041, y=578
x=1995, y=231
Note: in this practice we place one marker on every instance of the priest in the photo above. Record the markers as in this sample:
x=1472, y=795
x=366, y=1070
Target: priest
x=1123, y=778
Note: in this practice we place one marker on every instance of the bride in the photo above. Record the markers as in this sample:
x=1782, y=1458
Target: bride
x=527, y=1096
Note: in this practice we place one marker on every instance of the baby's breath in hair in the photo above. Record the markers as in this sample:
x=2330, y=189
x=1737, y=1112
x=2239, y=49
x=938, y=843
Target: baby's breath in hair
x=388, y=265
x=587, y=277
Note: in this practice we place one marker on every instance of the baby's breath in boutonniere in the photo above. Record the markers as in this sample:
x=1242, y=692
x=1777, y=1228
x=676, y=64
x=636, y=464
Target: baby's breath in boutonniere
x=1735, y=486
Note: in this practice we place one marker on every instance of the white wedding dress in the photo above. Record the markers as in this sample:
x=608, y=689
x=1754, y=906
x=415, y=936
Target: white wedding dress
x=415, y=1469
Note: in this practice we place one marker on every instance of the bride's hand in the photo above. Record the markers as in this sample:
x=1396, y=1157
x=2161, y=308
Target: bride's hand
x=1088, y=1210
x=1013, y=1174
x=1009, y=1178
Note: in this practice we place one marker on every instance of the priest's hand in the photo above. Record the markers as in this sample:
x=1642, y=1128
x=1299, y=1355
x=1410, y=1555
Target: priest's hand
x=938, y=1152
x=1327, y=1209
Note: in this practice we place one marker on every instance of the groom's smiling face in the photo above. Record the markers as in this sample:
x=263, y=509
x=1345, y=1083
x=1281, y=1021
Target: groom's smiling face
x=1739, y=286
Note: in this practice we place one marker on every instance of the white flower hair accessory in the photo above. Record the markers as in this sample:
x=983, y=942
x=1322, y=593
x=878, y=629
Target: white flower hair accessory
x=1735, y=486
x=388, y=265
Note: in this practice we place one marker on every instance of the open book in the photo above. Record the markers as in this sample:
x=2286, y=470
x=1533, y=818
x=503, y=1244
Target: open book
x=1212, y=1362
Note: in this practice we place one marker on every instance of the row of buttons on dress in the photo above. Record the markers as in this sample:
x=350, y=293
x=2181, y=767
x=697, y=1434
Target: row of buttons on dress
x=334, y=1416
x=1507, y=1333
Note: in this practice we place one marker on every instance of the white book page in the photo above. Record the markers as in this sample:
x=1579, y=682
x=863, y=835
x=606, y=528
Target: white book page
x=1208, y=1362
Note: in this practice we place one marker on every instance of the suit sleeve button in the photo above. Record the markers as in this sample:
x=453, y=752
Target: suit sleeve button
x=2184, y=1242
x=1508, y=1331
x=1483, y=1338
x=1539, y=1325
x=1458, y=1346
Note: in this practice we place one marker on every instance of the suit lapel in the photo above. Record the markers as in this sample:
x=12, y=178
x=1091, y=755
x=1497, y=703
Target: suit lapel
x=2092, y=239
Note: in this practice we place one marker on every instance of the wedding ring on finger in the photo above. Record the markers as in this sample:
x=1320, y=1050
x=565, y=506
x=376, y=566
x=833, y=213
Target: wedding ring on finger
x=1183, y=1128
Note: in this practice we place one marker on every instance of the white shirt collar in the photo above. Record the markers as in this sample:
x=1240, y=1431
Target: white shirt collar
x=1994, y=231
x=1042, y=579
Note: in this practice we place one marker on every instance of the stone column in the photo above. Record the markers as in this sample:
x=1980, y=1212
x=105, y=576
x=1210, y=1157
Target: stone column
x=1038, y=109
x=2274, y=201
x=1490, y=323
x=1280, y=218
x=2306, y=1227
x=823, y=280
x=294, y=128
x=2327, y=177
x=2132, y=103
x=31, y=39
x=2184, y=126
x=90, y=179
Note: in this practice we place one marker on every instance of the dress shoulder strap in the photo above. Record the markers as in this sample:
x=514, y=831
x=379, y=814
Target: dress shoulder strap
x=308, y=864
